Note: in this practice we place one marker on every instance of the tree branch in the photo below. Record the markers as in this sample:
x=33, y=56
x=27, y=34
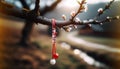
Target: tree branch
x=37, y=6
x=24, y=4
x=12, y=11
x=101, y=11
x=50, y=8
x=81, y=7
x=42, y=20
x=46, y=21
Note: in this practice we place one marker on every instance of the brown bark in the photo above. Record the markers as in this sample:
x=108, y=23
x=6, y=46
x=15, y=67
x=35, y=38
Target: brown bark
x=25, y=39
x=27, y=29
x=32, y=16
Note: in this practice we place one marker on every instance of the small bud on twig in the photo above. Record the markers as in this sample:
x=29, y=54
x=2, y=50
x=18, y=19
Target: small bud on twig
x=79, y=1
x=108, y=17
x=64, y=17
x=117, y=17
x=100, y=10
x=107, y=6
x=72, y=13
x=74, y=26
x=89, y=25
x=85, y=8
x=101, y=23
x=67, y=28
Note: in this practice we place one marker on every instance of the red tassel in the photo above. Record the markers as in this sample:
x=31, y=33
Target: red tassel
x=54, y=33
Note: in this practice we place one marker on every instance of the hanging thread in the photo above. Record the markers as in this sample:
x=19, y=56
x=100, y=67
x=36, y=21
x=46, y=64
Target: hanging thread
x=54, y=33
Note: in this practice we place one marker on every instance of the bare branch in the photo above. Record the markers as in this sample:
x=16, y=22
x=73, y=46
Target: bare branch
x=101, y=11
x=37, y=6
x=23, y=2
x=49, y=8
x=81, y=7
x=46, y=21
x=42, y=20
x=4, y=4
x=12, y=12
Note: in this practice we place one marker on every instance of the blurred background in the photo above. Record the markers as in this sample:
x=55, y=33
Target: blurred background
x=95, y=47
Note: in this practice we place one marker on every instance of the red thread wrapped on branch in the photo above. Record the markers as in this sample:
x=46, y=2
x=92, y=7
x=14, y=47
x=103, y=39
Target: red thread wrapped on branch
x=54, y=33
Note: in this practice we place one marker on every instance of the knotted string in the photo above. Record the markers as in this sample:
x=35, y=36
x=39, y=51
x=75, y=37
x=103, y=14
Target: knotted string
x=53, y=37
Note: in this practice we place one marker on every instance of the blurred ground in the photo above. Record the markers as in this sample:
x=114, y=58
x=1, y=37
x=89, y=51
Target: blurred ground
x=37, y=56
x=18, y=57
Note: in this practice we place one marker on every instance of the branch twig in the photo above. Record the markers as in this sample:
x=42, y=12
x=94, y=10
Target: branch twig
x=101, y=11
x=42, y=20
x=37, y=6
x=81, y=7
x=24, y=4
x=50, y=8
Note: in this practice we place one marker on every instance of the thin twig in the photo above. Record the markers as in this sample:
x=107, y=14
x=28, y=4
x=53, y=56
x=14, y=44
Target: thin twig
x=105, y=8
x=42, y=20
x=46, y=21
x=37, y=6
x=24, y=4
x=79, y=10
x=50, y=8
